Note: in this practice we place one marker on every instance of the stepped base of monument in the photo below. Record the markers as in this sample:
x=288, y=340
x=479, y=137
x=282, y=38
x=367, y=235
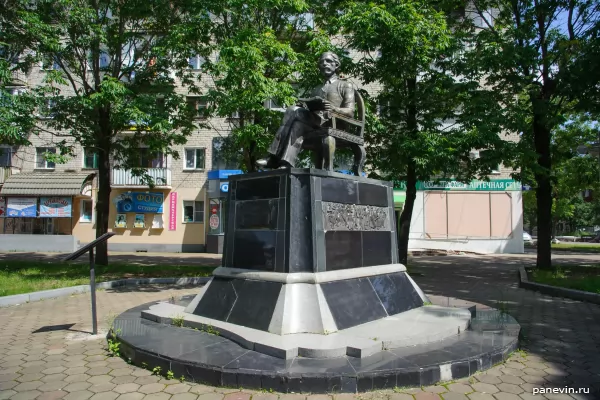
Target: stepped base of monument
x=418, y=326
x=207, y=357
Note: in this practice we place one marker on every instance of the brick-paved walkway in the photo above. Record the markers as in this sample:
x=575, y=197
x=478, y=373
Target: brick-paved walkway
x=562, y=346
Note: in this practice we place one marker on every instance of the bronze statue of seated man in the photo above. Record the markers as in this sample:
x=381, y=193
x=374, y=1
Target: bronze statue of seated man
x=300, y=122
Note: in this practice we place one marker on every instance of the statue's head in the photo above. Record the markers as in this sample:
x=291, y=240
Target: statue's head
x=329, y=63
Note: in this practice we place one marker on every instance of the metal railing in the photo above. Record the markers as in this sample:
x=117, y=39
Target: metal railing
x=18, y=78
x=75, y=255
x=123, y=177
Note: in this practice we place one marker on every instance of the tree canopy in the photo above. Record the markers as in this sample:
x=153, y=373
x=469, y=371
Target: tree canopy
x=107, y=79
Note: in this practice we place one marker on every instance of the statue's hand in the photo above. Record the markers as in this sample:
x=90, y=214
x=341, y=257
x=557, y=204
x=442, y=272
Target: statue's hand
x=327, y=106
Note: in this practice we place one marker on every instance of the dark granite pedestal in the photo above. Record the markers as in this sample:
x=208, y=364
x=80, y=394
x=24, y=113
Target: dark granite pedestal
x=310, y=297
x=308, y=251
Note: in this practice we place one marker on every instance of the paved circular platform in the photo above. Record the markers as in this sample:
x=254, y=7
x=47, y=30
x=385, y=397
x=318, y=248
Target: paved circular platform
x=209, y=358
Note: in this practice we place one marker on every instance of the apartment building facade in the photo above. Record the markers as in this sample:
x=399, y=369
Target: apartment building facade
x=50, y=207
x=47, y=206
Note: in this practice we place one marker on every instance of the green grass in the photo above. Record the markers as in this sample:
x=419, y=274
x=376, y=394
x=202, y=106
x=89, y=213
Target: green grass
x=18, y=277
x=577, y=247
x=581, y=277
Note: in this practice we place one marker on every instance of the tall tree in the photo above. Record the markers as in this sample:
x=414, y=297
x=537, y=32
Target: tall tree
x=528, y=51
x=430, y=117
x=267, y=52
x=110, y=67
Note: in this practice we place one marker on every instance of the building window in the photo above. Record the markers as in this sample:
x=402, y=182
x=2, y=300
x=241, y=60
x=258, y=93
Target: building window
x=87, y=211
x=496, y=170
x=195, y=158
x=193, y=211
x=196, y=62
x=149, y=159
x=90, y=159
x=46, y=110
x=273, y=105
x=40, y=157
x=303, y=22
x=5, y=157
x=198, y=105
x=50, y=64
x=221, y=157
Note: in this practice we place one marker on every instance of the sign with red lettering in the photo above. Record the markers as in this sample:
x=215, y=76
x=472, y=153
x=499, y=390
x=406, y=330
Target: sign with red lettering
x=214, y=221
x=55, y=207
x=173, y=211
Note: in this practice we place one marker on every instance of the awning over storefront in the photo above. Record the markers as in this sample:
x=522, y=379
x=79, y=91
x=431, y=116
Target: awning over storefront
x=47, y=184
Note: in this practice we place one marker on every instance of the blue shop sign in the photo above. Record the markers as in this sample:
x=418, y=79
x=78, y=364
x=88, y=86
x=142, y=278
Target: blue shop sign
x=224, y=187
x=21, y=207
x=140, y=202
x=223, y=173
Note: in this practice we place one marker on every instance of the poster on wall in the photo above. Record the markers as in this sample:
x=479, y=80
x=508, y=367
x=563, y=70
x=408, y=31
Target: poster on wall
x=55, y=207
x=2, y=207
x=140, y=221
x=173, y=211
x=121, y=221
x=140, y=202
x=157, y=222
x=21, y=207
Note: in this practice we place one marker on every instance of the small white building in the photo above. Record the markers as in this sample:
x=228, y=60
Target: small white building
x=480, y=217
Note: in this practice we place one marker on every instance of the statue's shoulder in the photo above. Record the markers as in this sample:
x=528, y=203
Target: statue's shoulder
x=346, y=84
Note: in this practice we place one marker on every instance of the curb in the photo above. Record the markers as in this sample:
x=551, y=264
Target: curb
x=17, y=299
x=556, y=291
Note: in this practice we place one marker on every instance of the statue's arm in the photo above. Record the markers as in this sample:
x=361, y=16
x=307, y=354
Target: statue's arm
x=347, y=106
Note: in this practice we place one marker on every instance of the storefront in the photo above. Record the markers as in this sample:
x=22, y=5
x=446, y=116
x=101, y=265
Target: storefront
x=482, y=217
x=153, y=220
x=218, y=189
x=44, y=205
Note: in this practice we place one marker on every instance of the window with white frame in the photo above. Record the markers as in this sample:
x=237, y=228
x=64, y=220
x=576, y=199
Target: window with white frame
x=484, y=20
x=303, y=21
x=90, y=158
x=41, y=154
x=86, y=211
x=193, y=211
x=273, y=105
x=6, y=156
x=198, y=105
x=195, y=158
x=196, y=61
x=496, y=170
x=46, y=110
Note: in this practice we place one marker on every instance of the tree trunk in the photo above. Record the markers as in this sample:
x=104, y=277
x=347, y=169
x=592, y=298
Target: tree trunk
x=543, y=191
x=103, y=199
x=403, y=230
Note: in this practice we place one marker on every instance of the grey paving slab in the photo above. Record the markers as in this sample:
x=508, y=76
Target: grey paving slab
x=555, y=351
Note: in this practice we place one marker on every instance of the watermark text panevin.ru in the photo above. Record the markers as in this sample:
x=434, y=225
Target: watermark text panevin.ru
x=566, y=390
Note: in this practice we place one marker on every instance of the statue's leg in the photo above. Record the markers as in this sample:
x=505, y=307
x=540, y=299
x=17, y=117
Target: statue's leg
x=281, y=140
x=359, y=159
x=301, y=126
x=328, y=152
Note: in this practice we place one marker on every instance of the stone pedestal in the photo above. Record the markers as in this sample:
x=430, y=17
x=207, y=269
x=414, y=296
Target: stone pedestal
x=308, y=251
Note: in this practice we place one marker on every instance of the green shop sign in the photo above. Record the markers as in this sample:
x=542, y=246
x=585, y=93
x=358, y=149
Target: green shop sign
x=498, y=185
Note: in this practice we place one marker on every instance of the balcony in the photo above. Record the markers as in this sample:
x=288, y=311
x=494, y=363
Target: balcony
x=18, y=78
x=124, y=178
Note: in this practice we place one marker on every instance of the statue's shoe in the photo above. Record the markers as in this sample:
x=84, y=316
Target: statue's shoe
x=269, y=163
